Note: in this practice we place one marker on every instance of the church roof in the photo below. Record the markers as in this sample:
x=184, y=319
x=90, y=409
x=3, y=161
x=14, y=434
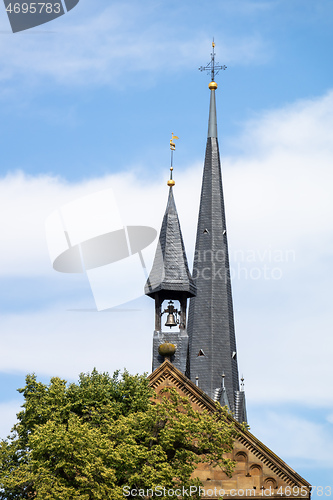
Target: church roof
x=170, y=271
x=257, y=467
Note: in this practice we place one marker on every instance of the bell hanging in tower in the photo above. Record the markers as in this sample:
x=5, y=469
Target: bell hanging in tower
x=171, y=320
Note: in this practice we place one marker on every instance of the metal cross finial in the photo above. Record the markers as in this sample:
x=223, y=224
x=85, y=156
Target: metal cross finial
x=212, y=67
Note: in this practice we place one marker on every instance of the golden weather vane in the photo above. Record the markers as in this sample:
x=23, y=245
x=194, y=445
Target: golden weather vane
x=172, y=144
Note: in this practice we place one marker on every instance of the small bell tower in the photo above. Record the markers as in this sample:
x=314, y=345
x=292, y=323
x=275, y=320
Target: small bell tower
x=170, y=284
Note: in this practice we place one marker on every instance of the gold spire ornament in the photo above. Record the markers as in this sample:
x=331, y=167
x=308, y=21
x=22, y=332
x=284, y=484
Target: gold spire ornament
x=172, y=144
x=171, y=182
x=212, y=86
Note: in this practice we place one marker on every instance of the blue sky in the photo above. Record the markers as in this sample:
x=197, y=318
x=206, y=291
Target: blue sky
x=88, y=102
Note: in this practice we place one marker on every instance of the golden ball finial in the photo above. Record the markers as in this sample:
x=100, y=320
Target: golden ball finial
x=212, y=86
x=171, y=182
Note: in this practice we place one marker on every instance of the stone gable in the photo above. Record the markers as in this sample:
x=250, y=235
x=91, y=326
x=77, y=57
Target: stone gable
x=259, y=473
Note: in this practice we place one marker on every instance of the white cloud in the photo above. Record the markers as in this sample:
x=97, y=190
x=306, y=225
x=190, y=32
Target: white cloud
x=27, y=201
x=284, y=176
x=295, y=439
x=301, y=126
x=64, y=343
x=107, y=47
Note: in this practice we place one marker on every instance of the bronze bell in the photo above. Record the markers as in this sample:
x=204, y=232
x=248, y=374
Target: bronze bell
x=171, y=320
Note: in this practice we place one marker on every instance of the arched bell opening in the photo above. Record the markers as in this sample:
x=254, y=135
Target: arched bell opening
x=170, y=313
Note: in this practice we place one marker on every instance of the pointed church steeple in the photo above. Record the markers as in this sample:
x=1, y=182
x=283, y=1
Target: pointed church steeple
x=170, y=274
x=211, y=320
x=170, y=280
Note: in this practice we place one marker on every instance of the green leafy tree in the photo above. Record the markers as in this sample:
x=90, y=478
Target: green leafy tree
x=105, y=436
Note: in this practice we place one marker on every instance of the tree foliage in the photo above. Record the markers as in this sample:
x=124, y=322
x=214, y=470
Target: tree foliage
x=89, y=440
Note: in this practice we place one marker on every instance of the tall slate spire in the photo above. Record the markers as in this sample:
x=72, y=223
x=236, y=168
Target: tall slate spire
x=212, y=342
